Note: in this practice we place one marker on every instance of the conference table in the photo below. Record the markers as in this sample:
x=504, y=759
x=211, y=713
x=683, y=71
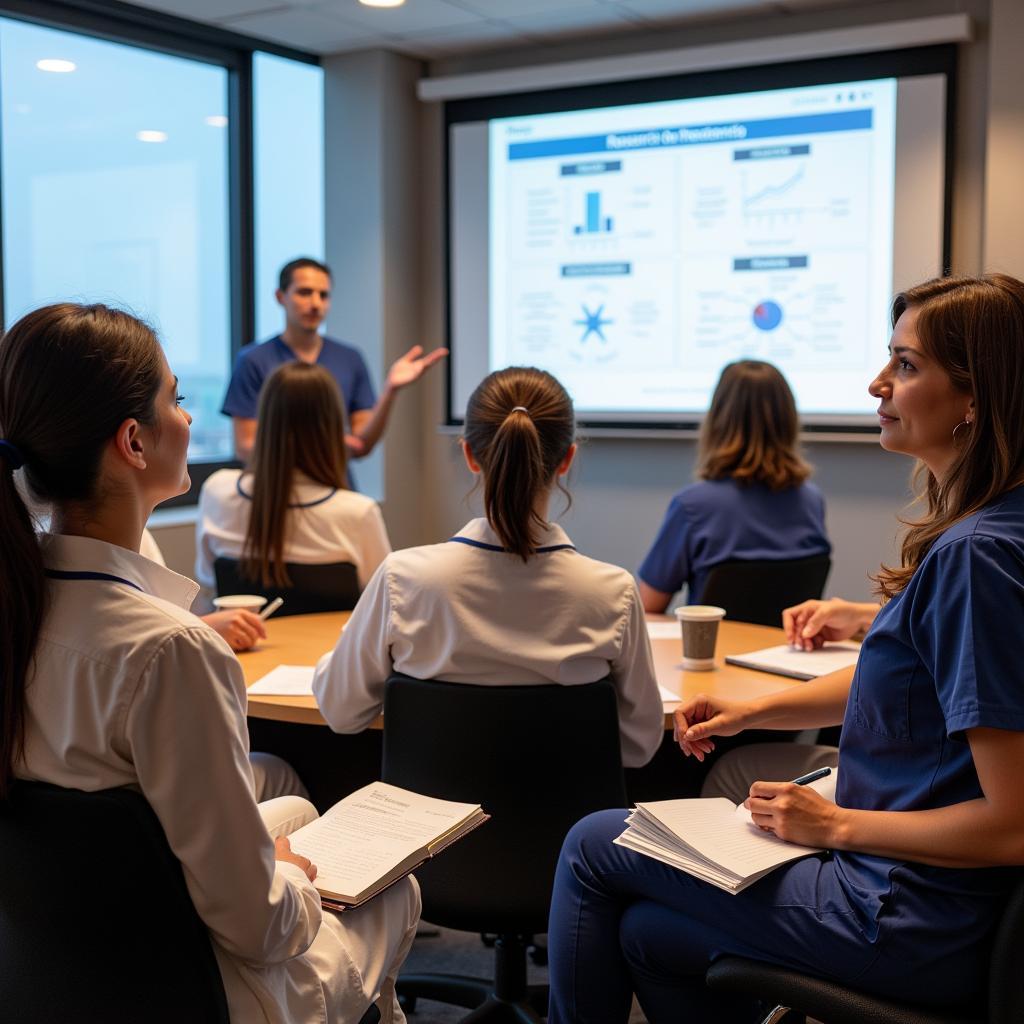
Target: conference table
x=301, y=639
x=333, y=765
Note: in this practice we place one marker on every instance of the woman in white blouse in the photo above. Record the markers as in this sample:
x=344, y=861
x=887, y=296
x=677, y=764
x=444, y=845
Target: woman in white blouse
x=293, y=504
x=107, y=679
x=508, y=600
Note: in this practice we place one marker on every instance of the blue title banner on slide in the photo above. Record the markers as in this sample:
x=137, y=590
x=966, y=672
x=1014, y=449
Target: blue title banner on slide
x=696, y=135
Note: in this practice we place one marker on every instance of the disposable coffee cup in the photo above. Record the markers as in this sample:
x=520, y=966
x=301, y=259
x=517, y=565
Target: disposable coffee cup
x=699, y=623
x=250, y=602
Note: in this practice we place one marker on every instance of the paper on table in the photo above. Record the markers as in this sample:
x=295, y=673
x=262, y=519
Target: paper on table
x=286, y=681
x=664, y=631
x=668, y=697
x=784, y=660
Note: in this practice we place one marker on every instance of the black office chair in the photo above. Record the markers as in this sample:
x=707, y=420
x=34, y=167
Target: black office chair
x=96, y=924
x=537, y=758
x=833, y=1003
x=332, y=587
x=759, y=591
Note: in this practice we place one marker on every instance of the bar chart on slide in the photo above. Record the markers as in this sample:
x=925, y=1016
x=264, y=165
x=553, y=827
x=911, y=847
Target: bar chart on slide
x=594, y=222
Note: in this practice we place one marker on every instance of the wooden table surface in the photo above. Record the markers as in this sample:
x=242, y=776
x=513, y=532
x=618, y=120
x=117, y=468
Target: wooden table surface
x=301, y=639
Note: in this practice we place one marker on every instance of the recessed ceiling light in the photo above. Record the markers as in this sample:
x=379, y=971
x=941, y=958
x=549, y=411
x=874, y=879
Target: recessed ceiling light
x=60, y=67
x=382, y=3
x=149, y=135
x=217, y=121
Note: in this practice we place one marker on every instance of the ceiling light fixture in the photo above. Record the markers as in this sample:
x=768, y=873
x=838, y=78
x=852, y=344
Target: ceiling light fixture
x=150, y=135
x=382, y=3
x=60, y=67
x=216, y=121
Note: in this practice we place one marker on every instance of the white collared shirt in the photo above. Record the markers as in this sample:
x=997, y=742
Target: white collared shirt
x=324, y=525
x=128, y=688
x=468, y=612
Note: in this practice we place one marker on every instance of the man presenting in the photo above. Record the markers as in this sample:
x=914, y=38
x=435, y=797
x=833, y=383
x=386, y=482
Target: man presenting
x=305, y=294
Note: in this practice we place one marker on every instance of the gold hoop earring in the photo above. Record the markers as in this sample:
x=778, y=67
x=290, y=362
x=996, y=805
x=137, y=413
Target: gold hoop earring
x=963, y=423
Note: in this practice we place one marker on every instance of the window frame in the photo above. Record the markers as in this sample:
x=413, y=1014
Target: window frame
x=163, y=33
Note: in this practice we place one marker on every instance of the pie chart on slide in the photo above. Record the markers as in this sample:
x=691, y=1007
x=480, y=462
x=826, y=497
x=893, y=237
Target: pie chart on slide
x=767, y=315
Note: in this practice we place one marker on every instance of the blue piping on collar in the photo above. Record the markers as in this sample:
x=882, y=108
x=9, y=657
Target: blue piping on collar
x=64, y=574
x=297, y=504
x=504, y=551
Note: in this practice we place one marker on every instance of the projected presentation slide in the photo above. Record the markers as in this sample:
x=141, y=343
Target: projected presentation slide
x=633, y=251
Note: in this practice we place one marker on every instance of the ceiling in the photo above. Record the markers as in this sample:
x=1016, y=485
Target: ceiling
x=432, y=29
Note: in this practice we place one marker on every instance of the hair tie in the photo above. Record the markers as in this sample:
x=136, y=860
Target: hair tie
x=519, y=408
x=9, y=452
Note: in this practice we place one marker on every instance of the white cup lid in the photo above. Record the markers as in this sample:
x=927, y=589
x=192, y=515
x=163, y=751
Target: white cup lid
x=700, y=612
x=239, y=601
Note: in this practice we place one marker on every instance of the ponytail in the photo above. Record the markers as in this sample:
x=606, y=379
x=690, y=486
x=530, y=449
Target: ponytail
x=69, y=376
x=22, y=604
x=519, y=427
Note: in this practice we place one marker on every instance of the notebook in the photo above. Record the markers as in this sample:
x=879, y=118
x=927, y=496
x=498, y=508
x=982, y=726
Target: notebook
x=786, y=661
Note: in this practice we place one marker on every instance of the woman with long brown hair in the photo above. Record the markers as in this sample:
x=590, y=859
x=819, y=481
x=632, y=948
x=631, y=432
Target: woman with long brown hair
x=928, y=815
x=508, y=599
x=107, y=680
x=293, y=503
x=752, y=500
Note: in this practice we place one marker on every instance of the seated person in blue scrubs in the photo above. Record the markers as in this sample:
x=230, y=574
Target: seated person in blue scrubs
x=752, y=501
x=928, y=816
x=305, y=295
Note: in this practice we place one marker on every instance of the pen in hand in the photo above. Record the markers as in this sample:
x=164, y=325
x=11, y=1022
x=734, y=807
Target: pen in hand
x=818, y=773
x=271, y=608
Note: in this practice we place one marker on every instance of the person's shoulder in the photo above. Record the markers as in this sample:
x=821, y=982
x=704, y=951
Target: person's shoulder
x=353, y=503
x=705, y=494
x=342, y=350
x=1001, y=520
x=259, y=354
x=220, y=484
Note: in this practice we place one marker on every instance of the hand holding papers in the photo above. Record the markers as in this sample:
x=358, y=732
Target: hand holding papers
x=713, y=840
x=377, y=835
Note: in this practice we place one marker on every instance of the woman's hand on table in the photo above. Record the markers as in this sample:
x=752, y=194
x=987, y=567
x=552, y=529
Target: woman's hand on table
x=698, y=719
x=795, y=813
x=810, y=624
x=283, y=851
x=241, y=628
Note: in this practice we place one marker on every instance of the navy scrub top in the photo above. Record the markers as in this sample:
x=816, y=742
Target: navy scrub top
x=718, y=521
x=942, y=657
x=256, y=362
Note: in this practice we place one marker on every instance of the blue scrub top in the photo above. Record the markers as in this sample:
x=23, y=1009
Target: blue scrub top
x=942, y=657
x=256, y=362
x=718, y=521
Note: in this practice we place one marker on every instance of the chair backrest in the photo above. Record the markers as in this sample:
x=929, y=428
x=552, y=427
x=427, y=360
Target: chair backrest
x=96, y=923
x=537, y=758
x=1006, y=977
x=332, y=587
x=759, y=591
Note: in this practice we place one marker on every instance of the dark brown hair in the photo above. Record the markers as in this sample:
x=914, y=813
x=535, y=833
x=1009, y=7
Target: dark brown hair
x=70, y=375
x=287, y=272
x=300, y=429
x=750, y=431
x=519, y=451
x=973, y=327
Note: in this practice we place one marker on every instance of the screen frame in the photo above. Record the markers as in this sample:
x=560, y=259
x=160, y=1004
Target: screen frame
x=925, y=60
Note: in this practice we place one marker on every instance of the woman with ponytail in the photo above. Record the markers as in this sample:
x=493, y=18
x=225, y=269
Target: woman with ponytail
x=508, y=599
x=107, y=680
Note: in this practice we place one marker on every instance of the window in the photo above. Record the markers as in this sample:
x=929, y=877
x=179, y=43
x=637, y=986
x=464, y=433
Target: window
x=113, y=194
x=288, y=161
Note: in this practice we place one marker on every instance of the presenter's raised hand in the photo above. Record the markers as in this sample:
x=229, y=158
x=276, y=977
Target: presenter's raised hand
x=810, y=624
x=701, y=717
x=412, y=365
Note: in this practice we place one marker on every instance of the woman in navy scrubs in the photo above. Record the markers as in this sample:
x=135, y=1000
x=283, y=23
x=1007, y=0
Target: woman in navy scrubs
x=928, y=821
